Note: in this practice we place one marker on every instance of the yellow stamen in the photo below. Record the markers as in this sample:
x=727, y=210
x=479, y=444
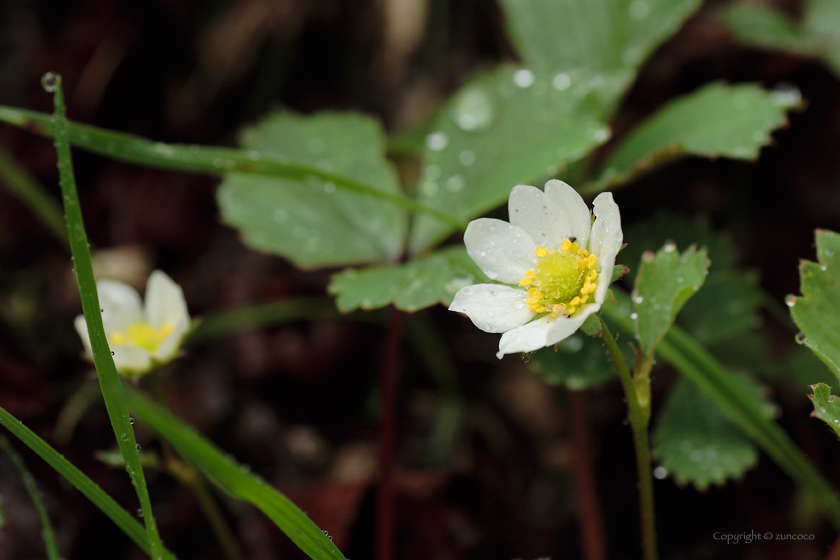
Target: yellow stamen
x=562, y=280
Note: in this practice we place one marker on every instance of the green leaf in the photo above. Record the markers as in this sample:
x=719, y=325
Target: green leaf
x=124, y=520
x=235, y=478
x=817, y=312
x=716, y=120
x=426, y=281
x=579, y=362
x=593, y=34
x=697, y=441
x=765, y=27
x=664, y=283
x=507, y=127
x=826, y=406
x=310, y=222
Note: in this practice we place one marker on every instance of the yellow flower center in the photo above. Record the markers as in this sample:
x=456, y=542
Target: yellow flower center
x=562, y=280
x=143, y=335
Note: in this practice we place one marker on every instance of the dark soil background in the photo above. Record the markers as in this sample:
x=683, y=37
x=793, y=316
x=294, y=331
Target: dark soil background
x=298, y=402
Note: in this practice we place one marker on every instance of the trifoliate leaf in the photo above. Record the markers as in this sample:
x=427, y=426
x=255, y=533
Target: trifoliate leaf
x=312, y=223
x=697, y=442
x=510, y=126
x=420, y=283
x=817, y=312
x=826, y=406
x=664, y=283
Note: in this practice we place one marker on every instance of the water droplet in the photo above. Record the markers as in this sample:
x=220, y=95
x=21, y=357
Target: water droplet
x=455, y=183
x=281, y=215
x=139, y=512
x=523, y=78
x=670, y=247
x=131, y=420
x=101, y=310
x=112, y=352
x=432, y=172
x=660, y=473
x=786, y=95
x=316, y=146
x=50, y=81
x=436, y=141
x=800, y=338
x=562, y=81
x=638, y=10
x=638, y=299
x=790, y=300
x=467, y=158
x=473, y=109
x=634, y=316
x=429, y=188
x=137, y=446
x=124, y=437
x=600, y=134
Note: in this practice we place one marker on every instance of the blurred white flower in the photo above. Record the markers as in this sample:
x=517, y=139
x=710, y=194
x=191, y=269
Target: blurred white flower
x=140, y=337
x=557, y=260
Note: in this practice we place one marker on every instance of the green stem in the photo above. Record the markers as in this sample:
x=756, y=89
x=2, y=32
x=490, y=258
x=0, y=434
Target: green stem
x=106, y=371
x=639, y=412
x=704, y=370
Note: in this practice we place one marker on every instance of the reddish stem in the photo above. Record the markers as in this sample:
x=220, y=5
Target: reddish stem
x=388, y=383
x=586, y=487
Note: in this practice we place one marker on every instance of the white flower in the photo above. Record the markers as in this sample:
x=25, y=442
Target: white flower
x=140, y=338
x=558, y=263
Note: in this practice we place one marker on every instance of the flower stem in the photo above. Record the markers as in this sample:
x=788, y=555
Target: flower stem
x=388, y=382
x=638, y=404
x=586, y=488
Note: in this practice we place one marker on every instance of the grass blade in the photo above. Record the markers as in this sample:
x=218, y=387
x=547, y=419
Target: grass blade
x=201, y=159
x=32, y=194
x=35, y=495
x=235, y=478
x=81, y=482
x=109, y=381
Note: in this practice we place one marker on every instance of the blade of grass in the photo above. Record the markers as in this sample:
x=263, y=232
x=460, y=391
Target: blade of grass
x=35, y=495
x=703, y=369
x=234, y=477
x=106, y=371
x=202, y=159
x=34, y=196
x=81, y=482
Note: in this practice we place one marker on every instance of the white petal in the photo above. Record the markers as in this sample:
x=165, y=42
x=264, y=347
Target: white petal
x=120, y=303
x=502, y=251
x=577, y=212
x=81, y=328
x=170, y=345
x=131, y=359
x=533, y=211
x=492, y=307
x=543, y=332
x=605, y=240
x=165, y=302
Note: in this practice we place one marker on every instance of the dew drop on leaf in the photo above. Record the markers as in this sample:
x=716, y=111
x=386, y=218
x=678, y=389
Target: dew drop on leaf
x=50, y=81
